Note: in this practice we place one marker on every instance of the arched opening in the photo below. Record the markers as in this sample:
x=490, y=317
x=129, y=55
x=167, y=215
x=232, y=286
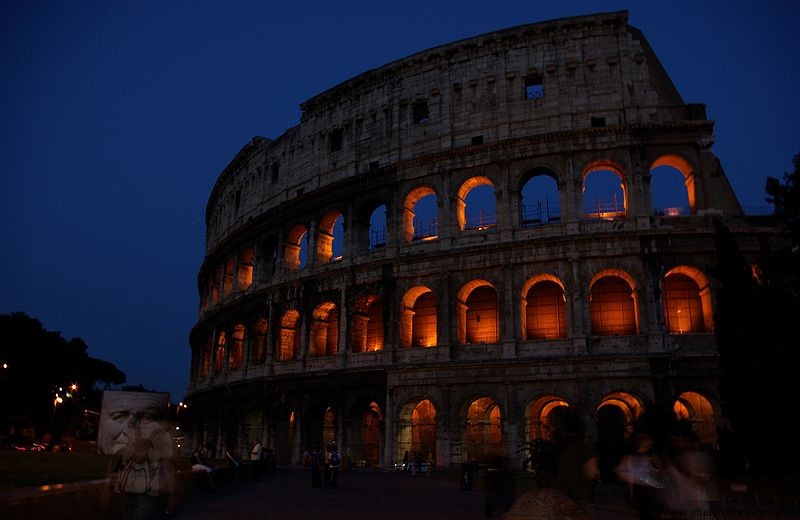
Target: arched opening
x=259, y=351
x=417, y=430
x=477, y=313
x=377, y=228
x=687, y=301
x=476, y=204
x=697, y=409
x=420, y=215
x=612, y=305
x=215, y=285
x=484, y=432
x=544, y=308
x=244, y=273
x=236, y=356
x=328, y=427
x=367, y=324
x=289, y=341
x=615, y=415
x=672, y=186
x=324, y=330
x=207, y=355
x=546, y=417
x=296, y=249
x=330, y=241
x=540, y=199
x=219, y=353
x=604, y=193
x=284, y=441
x=418, y=320
x=227, y=280
x=371, y=435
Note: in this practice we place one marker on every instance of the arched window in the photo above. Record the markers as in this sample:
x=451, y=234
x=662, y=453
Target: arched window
x=612, y=306
x=259, y=352
x=545, y=310
x=545, y=417
x=227, y=281
x=330, y=241
x=289, y=343
x=377, y=228
x=324, y=331
x=296, y=249
x=476, y=205
x=604, y=193
x=371, y=434
x=244, y=274
x=477, y=313
x=484, y=431
x=207, y=355
x=236, y=356
x=687, y=301
x=541, y=203
x=420, y=215
x=417, y=429
x=672, y=186
x=219, y=353
x=418, y=322
x=696, y=408
x=215, y=285
x=367, y=324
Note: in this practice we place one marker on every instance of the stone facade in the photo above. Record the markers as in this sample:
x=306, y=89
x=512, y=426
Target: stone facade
x=373, y=337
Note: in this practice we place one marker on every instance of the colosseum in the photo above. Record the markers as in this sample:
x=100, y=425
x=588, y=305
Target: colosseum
x=450, y=250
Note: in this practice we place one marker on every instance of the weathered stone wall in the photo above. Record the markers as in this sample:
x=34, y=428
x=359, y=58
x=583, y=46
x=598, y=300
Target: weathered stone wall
x=607, y=104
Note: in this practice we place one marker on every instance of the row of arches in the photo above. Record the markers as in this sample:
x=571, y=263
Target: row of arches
x=481, y=423
x=604, y=190
x=545, y=312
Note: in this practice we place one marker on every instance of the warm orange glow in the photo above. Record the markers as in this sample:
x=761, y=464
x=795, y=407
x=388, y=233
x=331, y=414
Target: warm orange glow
x=683, y=166
x=325, y=237
x=289, y=343
x=207, y=356
x=463, y=191
x=545, y=417
x=683, y=309
x=324, y=331
x=258, y=352
x=236, y=355
x=612, y=307
x=479, y=313
x=424, y=321
x=423, y=428
x=408, y=211
x=696, y=408
x=219, y=353
x=371, y=434
x=294, y=242
x=630, y=407
x=244, y=273
x=545, y=311
x=484, y=432
x=227, y=281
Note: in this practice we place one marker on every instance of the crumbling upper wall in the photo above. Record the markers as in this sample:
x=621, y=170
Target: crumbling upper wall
x=588, y=71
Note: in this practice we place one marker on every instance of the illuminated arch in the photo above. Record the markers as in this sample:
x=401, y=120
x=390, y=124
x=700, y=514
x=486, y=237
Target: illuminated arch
x=244, y=272
x=259, y=351
x=296, y=240
x=608, y=202
x=477, y=313
x=418, y=319
x=697, y=408
x=371, y=421
x=629, y=405
x=544, y=417
x=328, y=247
x=227, y=280
x=468, y=220
x=417, y=428
x=687, y=301
x=410, y=232
x=483, y=436
x=540, y=199
x=687, y=170
x=236, y=354
x=324, y=330
x=207, y=355
x=367, y=324
x=544, y=308
x=613, y=303
x=289, y=340
x=219, y=353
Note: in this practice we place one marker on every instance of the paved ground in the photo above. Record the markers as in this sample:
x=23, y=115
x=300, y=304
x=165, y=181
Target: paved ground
x=374, y=495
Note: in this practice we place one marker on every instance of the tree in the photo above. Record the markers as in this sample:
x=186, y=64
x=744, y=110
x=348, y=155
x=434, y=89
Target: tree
x=41, y=367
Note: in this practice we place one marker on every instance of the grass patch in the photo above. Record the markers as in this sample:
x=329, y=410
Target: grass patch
x=26, y=468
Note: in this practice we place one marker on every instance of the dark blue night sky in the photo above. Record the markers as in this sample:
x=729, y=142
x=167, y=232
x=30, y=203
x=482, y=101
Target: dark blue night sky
x=117, y=117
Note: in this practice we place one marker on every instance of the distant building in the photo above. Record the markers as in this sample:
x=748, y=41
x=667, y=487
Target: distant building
x=335, y=308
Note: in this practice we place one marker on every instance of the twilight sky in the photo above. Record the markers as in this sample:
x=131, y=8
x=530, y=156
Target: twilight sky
x=117, y=117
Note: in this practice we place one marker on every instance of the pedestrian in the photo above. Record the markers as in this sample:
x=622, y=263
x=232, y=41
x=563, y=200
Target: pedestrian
x=256, y=454
x=334, y=460
x=315, y=461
